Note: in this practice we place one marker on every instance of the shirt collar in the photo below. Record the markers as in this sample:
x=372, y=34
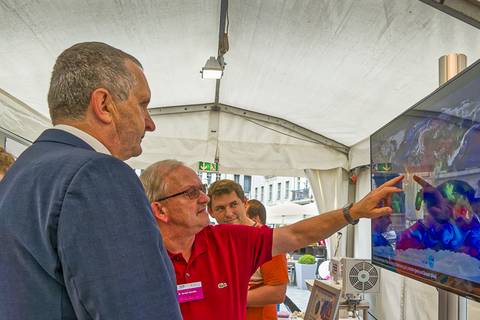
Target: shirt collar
x=92, y=141
x=199, y=247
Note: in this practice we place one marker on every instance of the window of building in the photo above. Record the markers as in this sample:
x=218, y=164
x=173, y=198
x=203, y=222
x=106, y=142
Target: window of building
x=270, y=192
x=256, y=193
x=209, y=178
x=247, y=183
x=279, y=190
x=236, y=178
x=262, y=193
x=287, y=189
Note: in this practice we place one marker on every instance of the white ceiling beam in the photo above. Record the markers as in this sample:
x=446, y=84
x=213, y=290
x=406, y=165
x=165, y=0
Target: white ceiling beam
x=255, y=116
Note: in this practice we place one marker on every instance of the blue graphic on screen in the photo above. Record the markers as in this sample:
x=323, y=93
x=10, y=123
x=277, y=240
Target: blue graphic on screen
x=434, y=233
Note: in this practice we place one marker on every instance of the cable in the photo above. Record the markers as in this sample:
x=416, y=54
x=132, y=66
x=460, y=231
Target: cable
x=228, y=22
x=339, y=237
x=356, y=314
x=371, y=315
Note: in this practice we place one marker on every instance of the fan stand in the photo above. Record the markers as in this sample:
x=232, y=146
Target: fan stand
x=354, y=306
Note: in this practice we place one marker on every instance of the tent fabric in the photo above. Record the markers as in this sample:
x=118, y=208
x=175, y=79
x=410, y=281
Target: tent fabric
x=330, y=189
x=390, y=301
x=421, y=300
x=19, y=121
x=242, y=146
x=359, y=154
x=339, y=68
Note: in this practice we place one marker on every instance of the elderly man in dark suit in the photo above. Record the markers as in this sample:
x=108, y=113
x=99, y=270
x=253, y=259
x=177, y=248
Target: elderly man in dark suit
x=78, y=239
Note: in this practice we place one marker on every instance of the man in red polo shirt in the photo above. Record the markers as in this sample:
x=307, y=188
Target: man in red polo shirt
x=213, y=264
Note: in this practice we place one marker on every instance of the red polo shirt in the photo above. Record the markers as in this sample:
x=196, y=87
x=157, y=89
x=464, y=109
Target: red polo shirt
x=223, y=259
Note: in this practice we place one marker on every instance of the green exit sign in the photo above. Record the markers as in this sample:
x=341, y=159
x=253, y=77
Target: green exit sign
x=207, y=166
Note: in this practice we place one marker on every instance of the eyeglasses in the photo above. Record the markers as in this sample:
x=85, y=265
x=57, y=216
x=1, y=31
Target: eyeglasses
x=191, y=193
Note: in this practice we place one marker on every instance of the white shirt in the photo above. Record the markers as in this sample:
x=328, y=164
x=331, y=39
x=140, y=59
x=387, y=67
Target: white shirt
x=90, y=140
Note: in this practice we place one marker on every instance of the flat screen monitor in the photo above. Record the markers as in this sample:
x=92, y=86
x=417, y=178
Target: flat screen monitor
x=324, y=301
x=433, y=234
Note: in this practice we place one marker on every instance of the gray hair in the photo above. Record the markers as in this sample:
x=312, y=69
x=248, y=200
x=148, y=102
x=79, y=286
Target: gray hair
x=154, y=178
x=81, y=69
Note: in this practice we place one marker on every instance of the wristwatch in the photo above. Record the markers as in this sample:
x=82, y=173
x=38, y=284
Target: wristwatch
x=347, y=215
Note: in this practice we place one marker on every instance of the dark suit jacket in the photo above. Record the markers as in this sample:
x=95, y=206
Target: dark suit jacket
x=78, y=239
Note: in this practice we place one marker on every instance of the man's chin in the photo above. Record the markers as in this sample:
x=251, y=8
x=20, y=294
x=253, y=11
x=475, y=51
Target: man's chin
x=136, y=152
x=233, y=221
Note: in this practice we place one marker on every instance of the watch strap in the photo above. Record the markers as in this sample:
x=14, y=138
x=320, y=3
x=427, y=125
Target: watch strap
x=348, y=216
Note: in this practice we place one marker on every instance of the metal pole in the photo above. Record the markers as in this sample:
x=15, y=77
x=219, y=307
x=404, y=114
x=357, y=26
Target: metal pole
x=450, y=65
x=3, y=140
x=451, y=306
x=221, y=39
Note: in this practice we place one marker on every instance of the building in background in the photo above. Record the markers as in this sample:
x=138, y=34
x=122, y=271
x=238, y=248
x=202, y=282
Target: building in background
x=270, y=190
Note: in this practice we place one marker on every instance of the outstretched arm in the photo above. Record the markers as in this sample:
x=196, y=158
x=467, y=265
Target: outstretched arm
x=267, y=294
x=302, y=233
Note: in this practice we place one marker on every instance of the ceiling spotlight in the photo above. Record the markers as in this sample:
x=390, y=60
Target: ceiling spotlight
x=212, y=69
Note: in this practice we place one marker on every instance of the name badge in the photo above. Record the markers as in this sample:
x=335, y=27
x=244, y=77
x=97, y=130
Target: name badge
x=189, y=292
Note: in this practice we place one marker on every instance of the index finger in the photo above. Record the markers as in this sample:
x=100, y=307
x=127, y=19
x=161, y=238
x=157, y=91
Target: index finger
x=421, y=181
x=382, y=194
x=392, y=182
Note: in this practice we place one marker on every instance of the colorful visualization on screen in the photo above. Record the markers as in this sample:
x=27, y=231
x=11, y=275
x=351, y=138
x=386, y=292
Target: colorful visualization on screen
x=434, y=233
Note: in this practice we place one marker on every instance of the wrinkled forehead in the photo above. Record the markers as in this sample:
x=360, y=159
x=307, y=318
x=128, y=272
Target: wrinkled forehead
x=181, y=178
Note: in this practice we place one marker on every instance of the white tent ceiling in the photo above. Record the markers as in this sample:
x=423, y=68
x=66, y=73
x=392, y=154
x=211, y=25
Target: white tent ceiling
x=340, y=68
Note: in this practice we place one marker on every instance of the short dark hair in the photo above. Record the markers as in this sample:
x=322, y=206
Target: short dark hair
x=224, y=186
x=256, y=209
x=83, y=68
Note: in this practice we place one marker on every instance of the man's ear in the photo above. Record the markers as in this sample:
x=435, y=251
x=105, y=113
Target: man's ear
x=102, y=105
x=159, y=212
x=257, y=219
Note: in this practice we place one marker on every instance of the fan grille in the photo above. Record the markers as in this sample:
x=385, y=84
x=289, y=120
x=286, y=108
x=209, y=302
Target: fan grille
x=363, y=276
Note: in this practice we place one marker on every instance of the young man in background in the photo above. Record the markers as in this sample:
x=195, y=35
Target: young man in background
x=268, y=285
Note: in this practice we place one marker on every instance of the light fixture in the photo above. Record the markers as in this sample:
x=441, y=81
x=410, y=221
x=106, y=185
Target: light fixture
x=212, y=69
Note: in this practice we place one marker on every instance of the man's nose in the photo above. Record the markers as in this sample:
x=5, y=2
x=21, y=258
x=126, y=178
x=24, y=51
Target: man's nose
x=149, y=124
x=229, y=211
x=203, y=198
